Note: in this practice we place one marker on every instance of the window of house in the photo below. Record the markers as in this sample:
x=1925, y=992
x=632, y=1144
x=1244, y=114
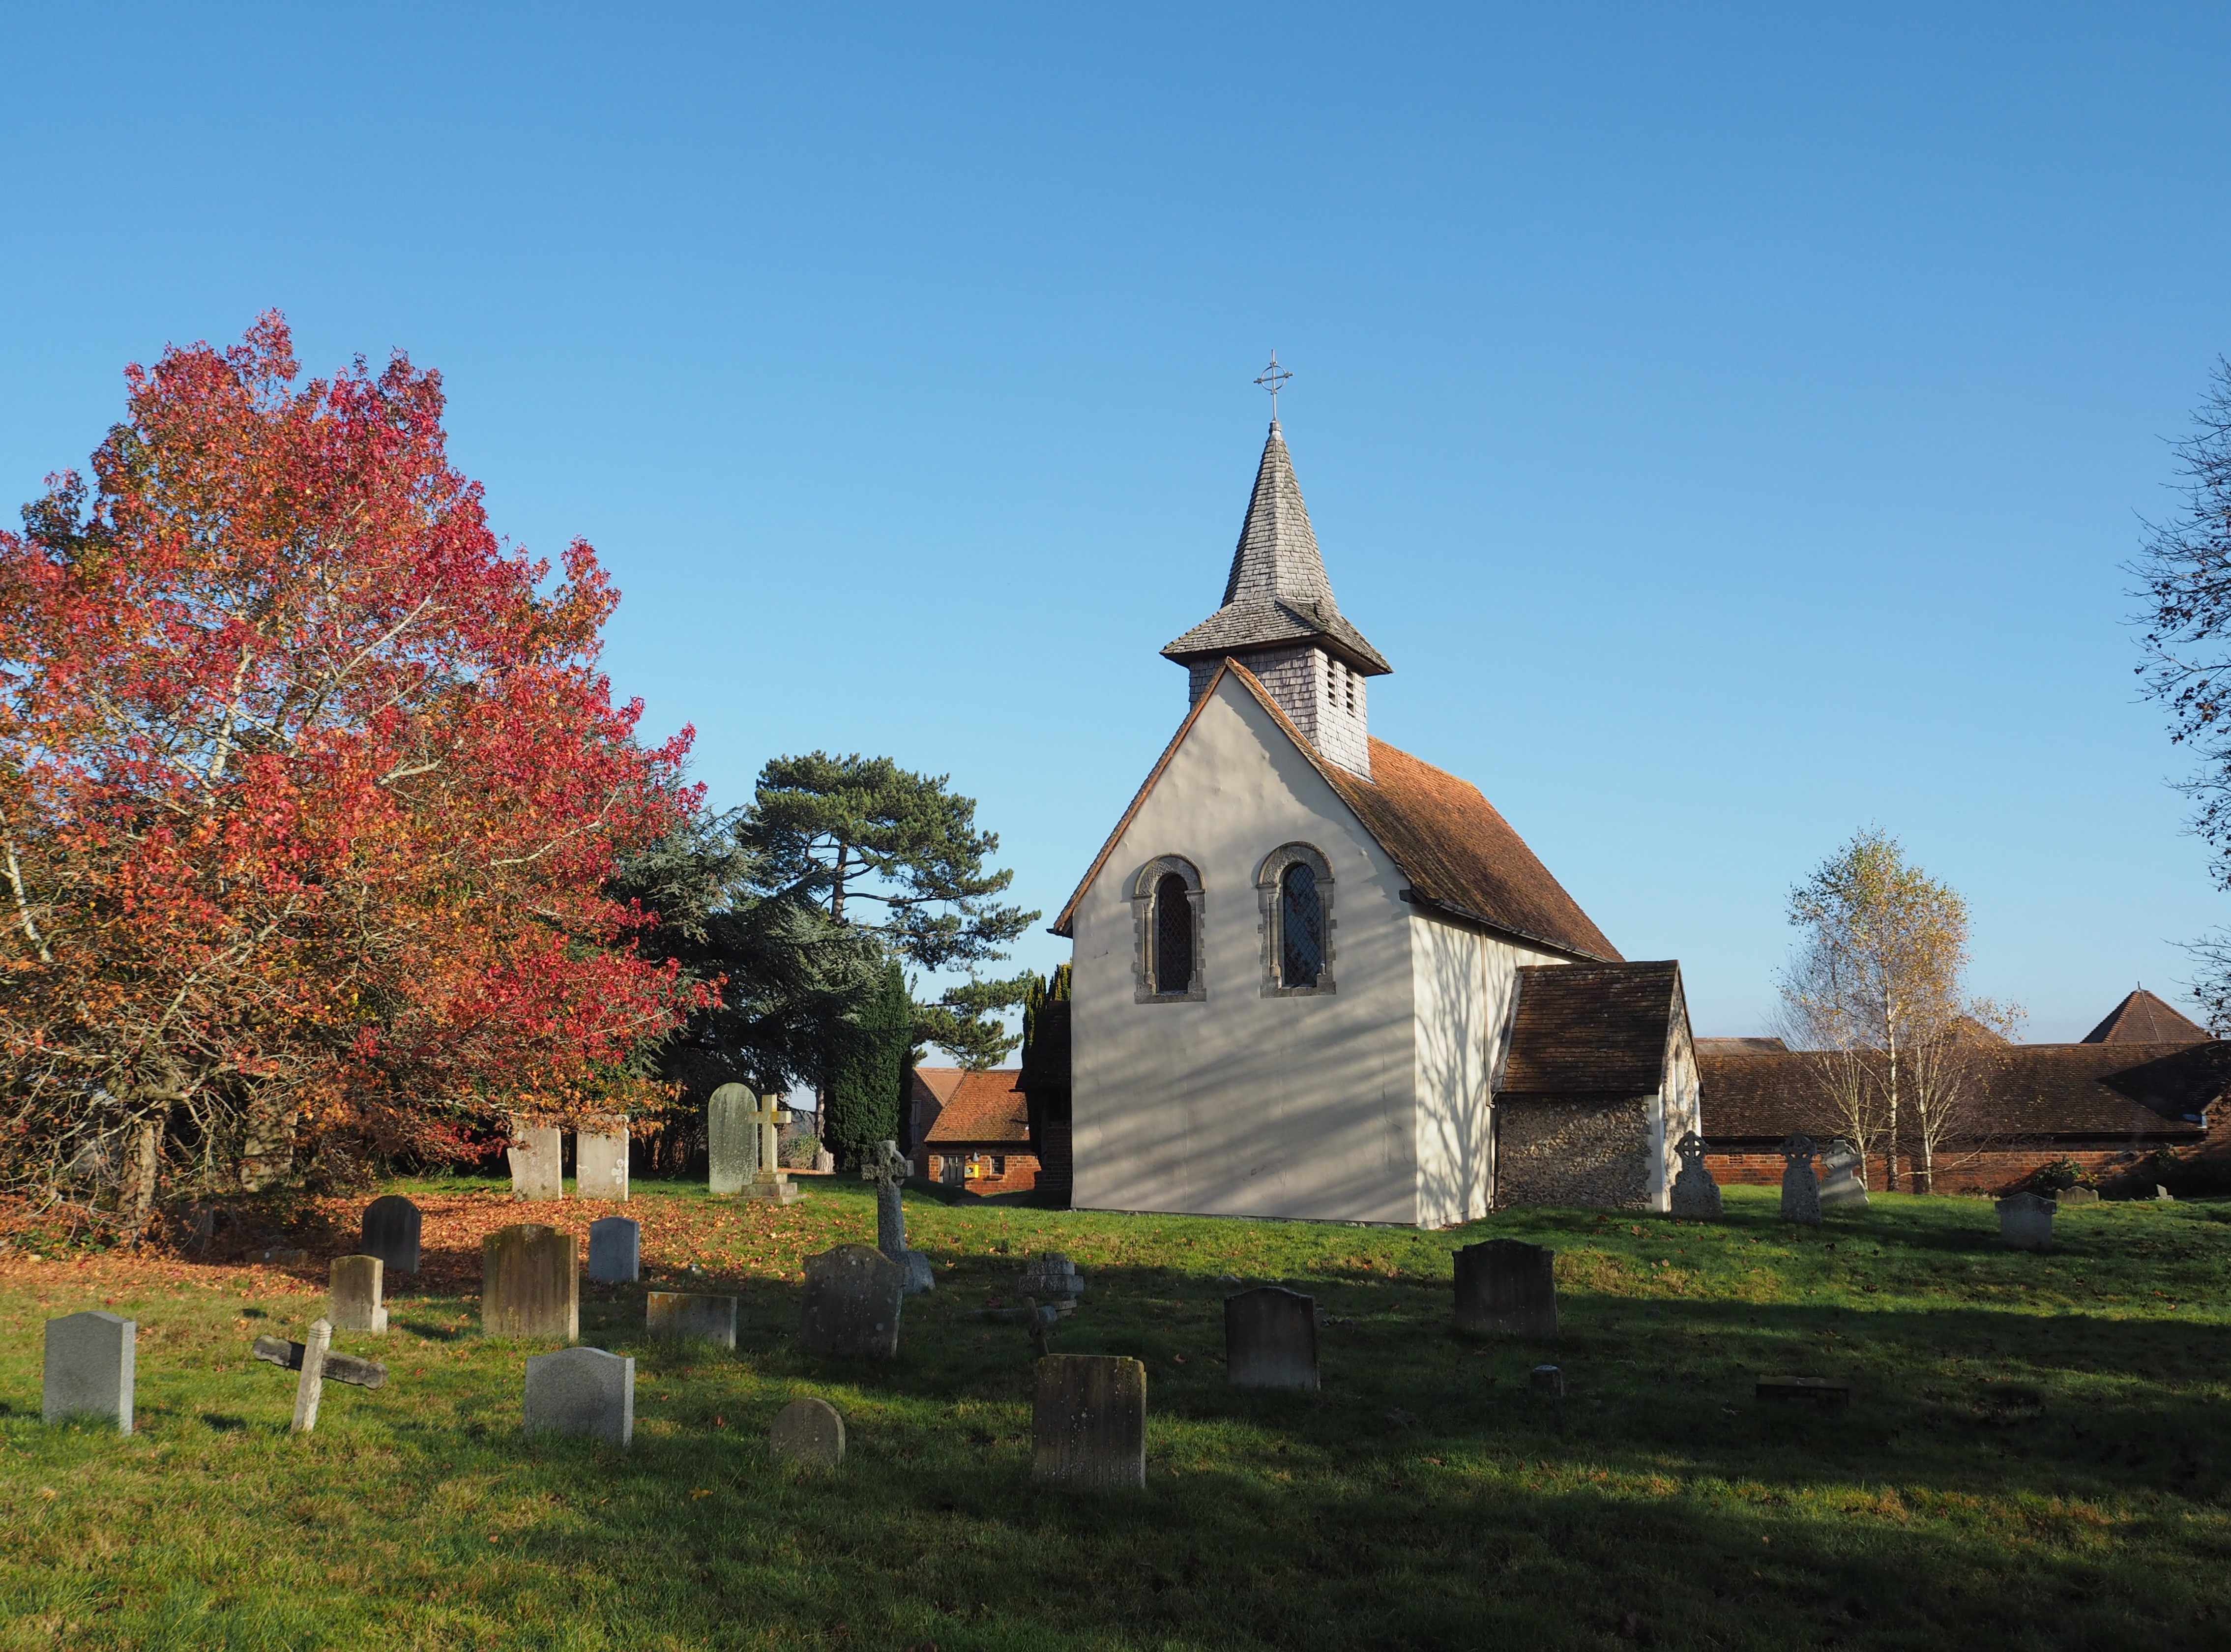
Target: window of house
x=998, y=1164
x=1295, y=885
x=1166, y=903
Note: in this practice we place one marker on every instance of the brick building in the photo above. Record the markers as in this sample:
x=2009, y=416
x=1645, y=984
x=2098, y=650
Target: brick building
x=971, y=1129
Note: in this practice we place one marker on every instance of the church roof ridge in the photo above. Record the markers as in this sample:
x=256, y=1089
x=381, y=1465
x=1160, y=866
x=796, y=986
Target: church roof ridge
x=2142, y=1018
x=1277, y=591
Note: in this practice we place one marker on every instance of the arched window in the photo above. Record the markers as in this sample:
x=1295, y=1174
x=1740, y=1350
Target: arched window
x=1295, y=885
x=1166, y=906
x=1173, y=963
x=1301, y=927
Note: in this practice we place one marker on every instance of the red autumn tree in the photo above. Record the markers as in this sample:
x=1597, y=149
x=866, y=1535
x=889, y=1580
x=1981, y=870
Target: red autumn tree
x=308, y=790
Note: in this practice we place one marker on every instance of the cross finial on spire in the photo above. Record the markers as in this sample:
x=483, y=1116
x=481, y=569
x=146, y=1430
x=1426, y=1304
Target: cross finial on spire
x=1273, y=378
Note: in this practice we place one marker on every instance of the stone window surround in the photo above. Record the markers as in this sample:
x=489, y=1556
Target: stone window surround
x=1267, y=879
x=1142, y=923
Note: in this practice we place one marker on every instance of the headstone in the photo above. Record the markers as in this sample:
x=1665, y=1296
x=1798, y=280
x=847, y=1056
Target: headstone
x=1088, y=1423
x=1052, y=1277
x=1505, y=1288
x=810, y=1433
x=582, y=1390
x=1271, y=1339
x=824, y=1161
x=669, y=1315
x=339, y=1368
x=1696, y=1195
x=1845, y=1187
x=600, y=1165
x=530, y=1283
x=1549, y=1379
x=889, y=1169
x=537, y=1161
x=732, y=1141
x=615, y=1250
x=310, y=1387
x=391, y=1233
x=2026, y=1221
x=773, y=1183
x=89, y=1369
x=1801, y=1191
x=2163, y=1195
x=2077, y=1197
x=357, y=1302
x=852, y=1298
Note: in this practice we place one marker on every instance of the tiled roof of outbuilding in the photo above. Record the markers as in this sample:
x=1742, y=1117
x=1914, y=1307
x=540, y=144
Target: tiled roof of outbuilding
x=1592, y=1029
x=1740, y=1046
x=2026, y=1091
x=1278, y=592
x=984, y=1107
x=2141, y=1018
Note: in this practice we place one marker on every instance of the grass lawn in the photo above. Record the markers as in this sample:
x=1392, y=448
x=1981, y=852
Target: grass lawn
x=2034, y=1455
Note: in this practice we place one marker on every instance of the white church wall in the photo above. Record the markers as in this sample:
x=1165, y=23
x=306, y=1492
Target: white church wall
x=1239, y=1103
x=1467, y=999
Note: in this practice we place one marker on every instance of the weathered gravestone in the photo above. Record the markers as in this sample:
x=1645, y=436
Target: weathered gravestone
x=391, y=1233
x=889, y=1169
x=310, y=1388
x=732, y=1141
x=2077, y=1197
x=530, y=1283
x=773, y=1183
x=600, y=1165
x=669, y=1315
x=89, y=1369
x=1088, y=1423
x=537, y=1154
x=1696, y=1195
x=810, y=1433
x=1505, y=1288
x=582, y=1390
x=1548, y=1379
x=356, y=1302
x=2026, y=1221
x=615, y=1250
x=340, y=1368
x=1801, y=1191
x=852, y=1299
x=1052, y=1277
x=1271, y=1339
x=1845, y=1187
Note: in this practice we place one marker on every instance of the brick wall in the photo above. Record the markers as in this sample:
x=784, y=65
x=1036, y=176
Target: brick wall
x=1996, y=1171
x=1593, y=1154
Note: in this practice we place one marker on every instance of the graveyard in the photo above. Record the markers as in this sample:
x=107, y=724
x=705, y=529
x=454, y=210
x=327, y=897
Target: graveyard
x=2004, y=1446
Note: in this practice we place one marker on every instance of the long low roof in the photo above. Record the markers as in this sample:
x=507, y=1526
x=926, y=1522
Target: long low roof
x=2024, y=1090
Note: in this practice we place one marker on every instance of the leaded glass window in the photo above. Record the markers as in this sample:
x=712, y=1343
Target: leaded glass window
x=1301, y=927
x=1172, y=936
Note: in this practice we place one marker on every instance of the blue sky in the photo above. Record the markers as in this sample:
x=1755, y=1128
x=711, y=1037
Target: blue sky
x=1730, y=422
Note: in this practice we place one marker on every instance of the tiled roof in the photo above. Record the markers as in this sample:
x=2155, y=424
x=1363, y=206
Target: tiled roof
x=2025, y=1091
x=938, y=1084
x=984, y=1107
x=1278, y=592
x=1740, y=1046
x=2141, y=1018
x=1592, y=1029
x=1458, y=854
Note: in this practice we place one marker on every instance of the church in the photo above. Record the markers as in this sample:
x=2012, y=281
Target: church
x=1316, y=977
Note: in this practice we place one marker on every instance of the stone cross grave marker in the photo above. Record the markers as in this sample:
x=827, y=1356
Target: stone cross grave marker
x=530, y=1283
x=853, y=1300
x=889, y=1169
x=356, y=1301
x=310, y=1387
x=391, y=1233
x=810, y=1433
x=1505, y=1288
x=615, y=1250
x=1088, y=1423
x=1801, y=1191
x=1271, y=1339
x=2026, y=1221
x=773, y=1183
x=339, y=1368
x=1696, y=1195
x=1845, y=1187
x=89, y=1369
x=731, y=1156
x=582, y=1390
x=669, y=1316
x=600, y=1165
x=537, y=1161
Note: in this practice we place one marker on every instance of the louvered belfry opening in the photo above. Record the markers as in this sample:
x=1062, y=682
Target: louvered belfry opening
x=1301, y=927
x=1172, y=936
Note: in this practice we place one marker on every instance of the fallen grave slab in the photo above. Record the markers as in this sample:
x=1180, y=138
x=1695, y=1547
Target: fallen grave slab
x=340, y=1368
